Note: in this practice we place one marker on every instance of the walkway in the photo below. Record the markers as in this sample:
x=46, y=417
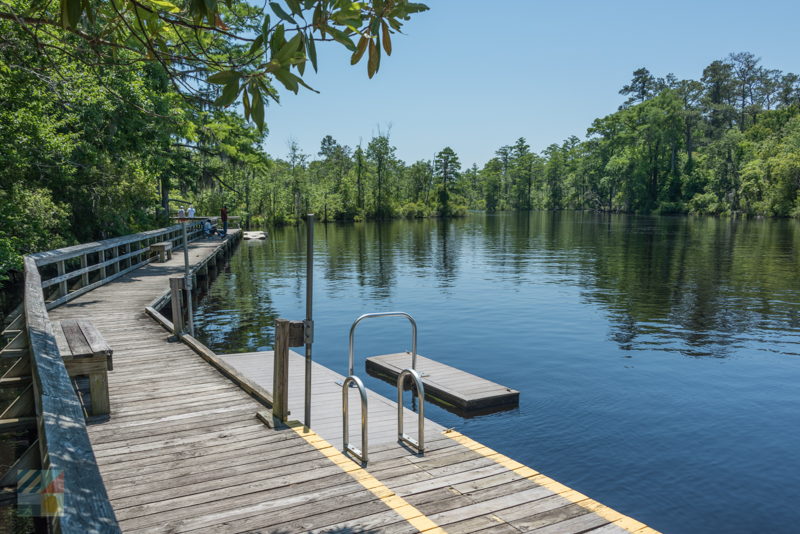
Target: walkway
x=183, y=451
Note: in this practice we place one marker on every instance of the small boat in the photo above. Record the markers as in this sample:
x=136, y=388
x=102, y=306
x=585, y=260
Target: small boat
x=255, y=235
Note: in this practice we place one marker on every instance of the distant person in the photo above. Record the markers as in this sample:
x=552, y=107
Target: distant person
x=191, y=212
x=209, y=230
x=181, y=213
x=223, y=215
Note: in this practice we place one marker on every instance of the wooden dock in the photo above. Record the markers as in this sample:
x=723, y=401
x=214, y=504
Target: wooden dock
x=446, y=385
x=183, y=451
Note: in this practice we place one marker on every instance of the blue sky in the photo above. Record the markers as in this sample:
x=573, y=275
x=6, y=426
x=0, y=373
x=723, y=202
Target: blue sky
x=476, y=75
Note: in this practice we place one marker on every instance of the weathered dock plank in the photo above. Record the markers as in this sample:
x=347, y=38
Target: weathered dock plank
x=442, y=382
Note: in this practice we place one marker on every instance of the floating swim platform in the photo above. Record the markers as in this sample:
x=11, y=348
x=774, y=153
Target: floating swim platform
x=460, y=389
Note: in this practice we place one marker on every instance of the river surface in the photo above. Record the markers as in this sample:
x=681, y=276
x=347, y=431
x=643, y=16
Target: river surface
x=658, y=358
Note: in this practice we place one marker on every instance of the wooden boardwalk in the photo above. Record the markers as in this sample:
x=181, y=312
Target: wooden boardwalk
x=183, y=450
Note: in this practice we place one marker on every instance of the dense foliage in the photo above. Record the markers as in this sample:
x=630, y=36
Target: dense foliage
x=111, y=113
x=726, y=144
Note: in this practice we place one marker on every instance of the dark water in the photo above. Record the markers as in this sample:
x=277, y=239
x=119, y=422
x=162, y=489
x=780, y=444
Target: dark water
x=658, y=358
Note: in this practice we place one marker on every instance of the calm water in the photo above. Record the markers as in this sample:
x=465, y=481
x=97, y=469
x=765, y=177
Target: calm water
x=658, y=359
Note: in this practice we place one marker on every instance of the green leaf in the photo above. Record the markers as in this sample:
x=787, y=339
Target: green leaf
x=311, y=48
x=224, y=77
x=229, y=94
x=387, y=40
x=374, y=59
x=362, y=47
x=294, y=6
x=289, y=48
x=258, y=110
x=71, y=13
x=278, y=10
x=341, y=37
x=277, y=40
x=246, y=105
x=163, y=4
x=288, y=79
x=257, y=44
x=265, y=25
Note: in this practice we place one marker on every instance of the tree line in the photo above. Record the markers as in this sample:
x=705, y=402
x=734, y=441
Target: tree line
x=94, y=154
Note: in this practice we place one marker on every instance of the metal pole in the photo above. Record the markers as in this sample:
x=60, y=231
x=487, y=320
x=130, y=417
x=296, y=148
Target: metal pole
x=309, y=323
x=187, y=276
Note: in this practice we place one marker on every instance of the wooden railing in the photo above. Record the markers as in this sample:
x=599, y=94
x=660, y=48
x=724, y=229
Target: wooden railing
x=48, y=399
x=72, y=271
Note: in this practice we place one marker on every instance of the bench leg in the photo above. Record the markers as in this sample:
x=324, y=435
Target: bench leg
x=98, y=388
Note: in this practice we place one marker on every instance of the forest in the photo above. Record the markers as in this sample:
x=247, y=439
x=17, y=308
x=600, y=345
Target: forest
x=94, y=149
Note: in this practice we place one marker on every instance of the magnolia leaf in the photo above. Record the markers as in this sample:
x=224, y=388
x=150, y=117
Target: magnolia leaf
x=163, y=4
x=229, y=94
x=257, y=44
x=311, y=48
x=258, y=110
x=71, y=13
x=362, y=46
x=374, y=58
x=278, y=10
x=387, y=40
x=224, y=77
x=341, y=37
x=288, y=79
x=294, y=6
x=246, y=105
x=288, y=49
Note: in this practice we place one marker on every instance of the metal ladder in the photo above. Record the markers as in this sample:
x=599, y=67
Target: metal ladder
x=353, y=381
x=401, y=436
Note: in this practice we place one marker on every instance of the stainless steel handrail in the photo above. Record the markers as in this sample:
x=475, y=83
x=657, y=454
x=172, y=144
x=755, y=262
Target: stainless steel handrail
x=360, y=454
x=350, y=352
x=401, y=436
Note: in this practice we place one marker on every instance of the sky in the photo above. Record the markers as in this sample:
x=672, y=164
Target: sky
x=476, y=75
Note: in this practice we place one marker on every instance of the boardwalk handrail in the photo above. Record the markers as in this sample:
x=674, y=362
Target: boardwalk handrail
x=350, y=351
x=64, y=445
x=112, y=257
x=64, y=448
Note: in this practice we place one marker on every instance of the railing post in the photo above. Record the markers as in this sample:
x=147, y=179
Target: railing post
x=280, y=375
x=62, y=286
x=287, y=334
x=84, y=276
x=176, y=290
x=101, y=257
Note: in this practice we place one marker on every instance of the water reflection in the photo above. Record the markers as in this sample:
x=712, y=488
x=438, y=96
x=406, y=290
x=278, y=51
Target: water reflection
x=655, y=356
x=699, y=286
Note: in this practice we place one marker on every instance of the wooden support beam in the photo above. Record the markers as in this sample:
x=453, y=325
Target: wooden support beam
x=101, y=258
x=176, y=286
x=17, y=423
x=280, y=375
x=22, y=406
x=20, y=368
x=15, y=381
x=62, y=286
x=30, y=459
x=85, y=274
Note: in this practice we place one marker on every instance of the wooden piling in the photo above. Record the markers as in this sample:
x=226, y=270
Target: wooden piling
x=176, y=286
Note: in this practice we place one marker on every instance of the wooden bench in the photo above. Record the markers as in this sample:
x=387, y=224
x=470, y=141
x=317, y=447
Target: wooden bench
x=164, y=250
x=86, y=353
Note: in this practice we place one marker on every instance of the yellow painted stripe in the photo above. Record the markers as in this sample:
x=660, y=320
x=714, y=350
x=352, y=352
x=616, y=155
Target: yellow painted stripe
x=622, y=521
x=416, y=518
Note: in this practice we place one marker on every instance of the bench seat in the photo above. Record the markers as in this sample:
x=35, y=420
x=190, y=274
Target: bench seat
x=86, y=353
x=164, y=249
